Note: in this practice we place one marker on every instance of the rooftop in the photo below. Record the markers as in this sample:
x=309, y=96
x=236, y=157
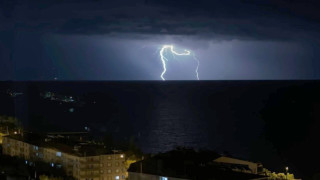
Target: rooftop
x=189, y=164
x=63, y=144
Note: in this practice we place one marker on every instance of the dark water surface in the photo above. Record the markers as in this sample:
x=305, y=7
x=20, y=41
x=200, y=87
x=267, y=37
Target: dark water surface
x=259, y=120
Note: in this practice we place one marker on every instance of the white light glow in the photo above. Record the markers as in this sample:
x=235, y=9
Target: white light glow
x=164, y=59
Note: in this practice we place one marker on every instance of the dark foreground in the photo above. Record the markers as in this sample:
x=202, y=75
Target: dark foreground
x=275, y=122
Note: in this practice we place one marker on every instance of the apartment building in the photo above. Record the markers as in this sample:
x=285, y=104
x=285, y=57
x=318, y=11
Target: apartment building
x=85, y=162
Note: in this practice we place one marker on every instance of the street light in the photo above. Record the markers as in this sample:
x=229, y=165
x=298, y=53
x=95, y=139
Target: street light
x=287, y=169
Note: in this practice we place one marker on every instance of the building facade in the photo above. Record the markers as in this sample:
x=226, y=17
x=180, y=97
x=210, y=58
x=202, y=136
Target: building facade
x=81, y=167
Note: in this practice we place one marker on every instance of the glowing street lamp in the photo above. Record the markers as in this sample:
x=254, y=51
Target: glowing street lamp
x=287, y=169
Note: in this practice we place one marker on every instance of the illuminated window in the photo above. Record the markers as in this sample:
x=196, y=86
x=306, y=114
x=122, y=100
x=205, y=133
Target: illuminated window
x=58, y=154
x=117, y=177
x=109, y=164
x=117, y=170
x=36, y=148
x=109, y=171
x=163, y=178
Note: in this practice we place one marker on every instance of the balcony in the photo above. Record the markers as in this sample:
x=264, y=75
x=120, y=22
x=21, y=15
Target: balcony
x=90, y=176
x=88, y=168
x=91, y=162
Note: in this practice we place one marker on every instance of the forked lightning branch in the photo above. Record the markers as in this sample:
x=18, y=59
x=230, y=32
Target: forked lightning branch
x=164, y=60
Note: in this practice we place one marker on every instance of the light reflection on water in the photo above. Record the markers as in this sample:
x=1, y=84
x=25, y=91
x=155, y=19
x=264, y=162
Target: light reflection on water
x=174, y=125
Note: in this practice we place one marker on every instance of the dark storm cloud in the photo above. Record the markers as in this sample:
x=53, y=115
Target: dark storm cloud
x=245, y=19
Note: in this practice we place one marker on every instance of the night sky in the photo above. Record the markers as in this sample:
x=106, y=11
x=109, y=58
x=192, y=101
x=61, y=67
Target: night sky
x=120, y=40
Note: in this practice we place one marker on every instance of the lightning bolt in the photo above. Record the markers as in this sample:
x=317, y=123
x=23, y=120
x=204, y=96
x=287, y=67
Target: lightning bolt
x=198, y=64
x=164, y=59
